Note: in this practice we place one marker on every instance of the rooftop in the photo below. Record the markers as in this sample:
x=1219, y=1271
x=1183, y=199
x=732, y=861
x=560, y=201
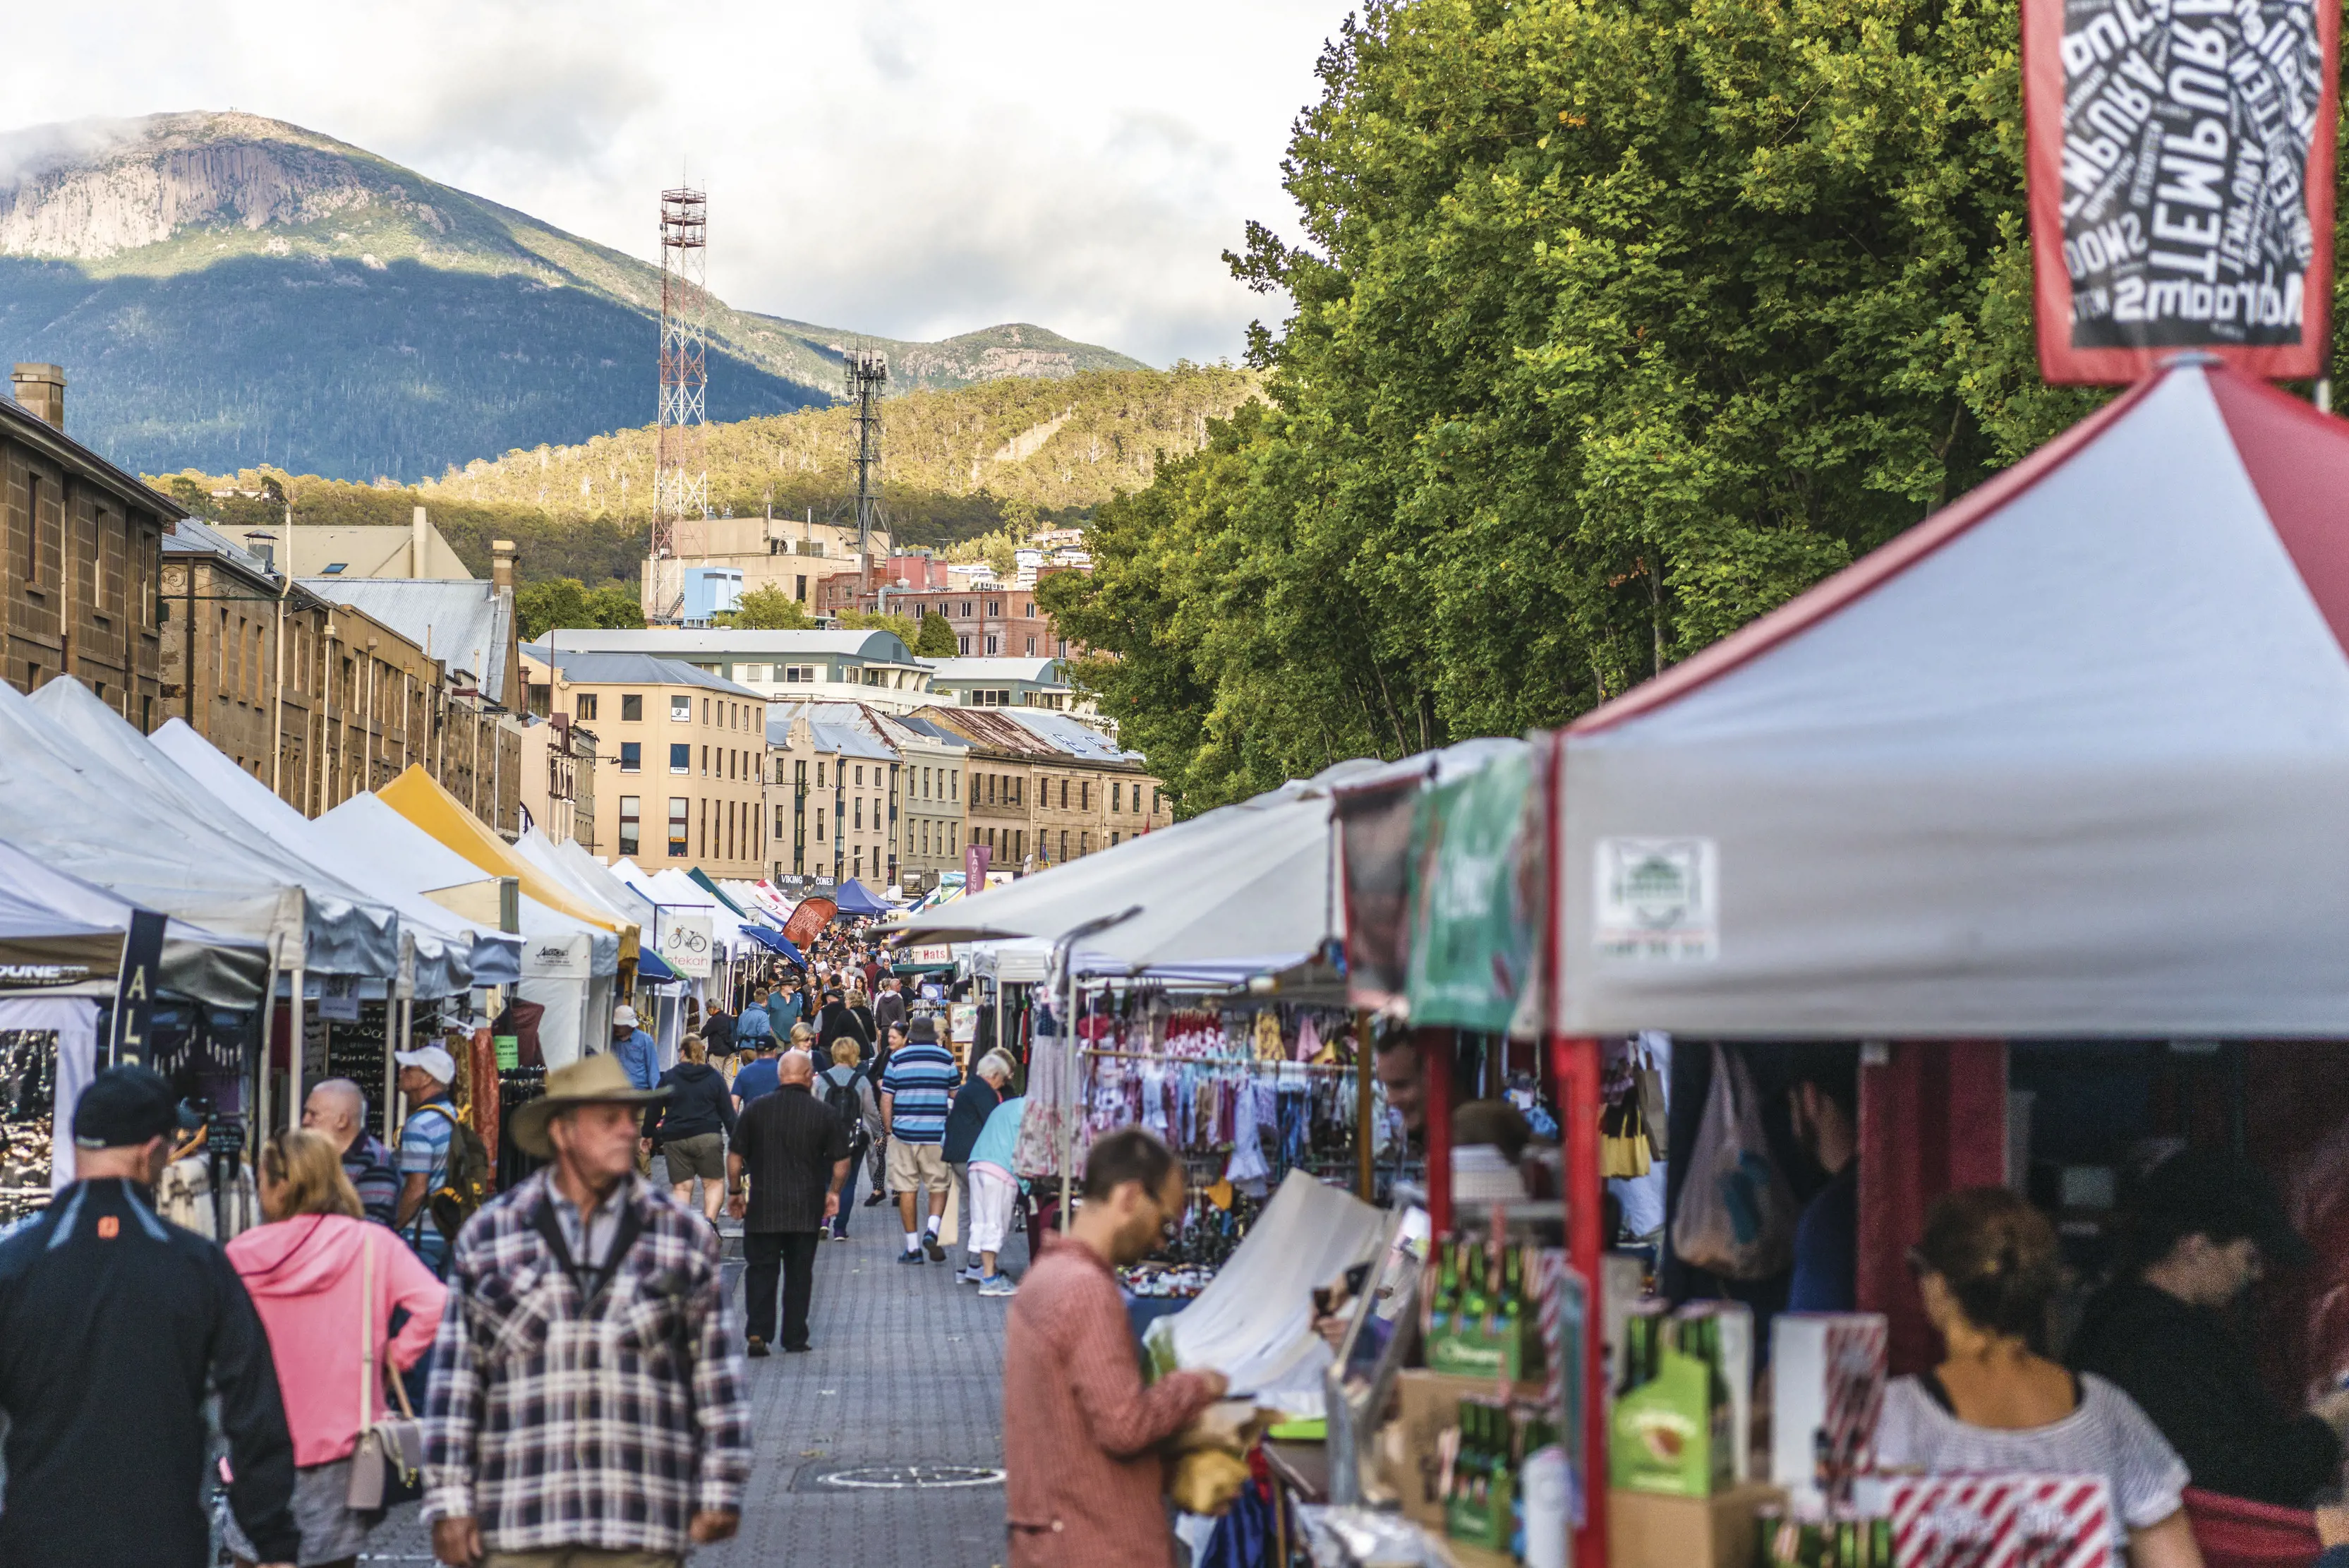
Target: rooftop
x=461, y=623
x=1036, y=671
x=1029, y=735
x=838, y=729
x=632, y=669
x=877, y=647
x=28, y=427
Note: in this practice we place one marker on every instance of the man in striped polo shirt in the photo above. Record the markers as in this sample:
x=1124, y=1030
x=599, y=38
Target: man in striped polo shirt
x=917, y=1091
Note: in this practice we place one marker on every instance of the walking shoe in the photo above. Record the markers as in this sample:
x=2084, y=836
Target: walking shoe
x=757, y=1346
x=971, y=1274
x=997, y=1285
x=797, y=1349
x=930, y=1245
x=909, y=1257
x=876, y=1198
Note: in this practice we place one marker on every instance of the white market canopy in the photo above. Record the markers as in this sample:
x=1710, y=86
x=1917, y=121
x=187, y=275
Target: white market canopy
x=36, y=899
x=1241, y=892
x=128, y=831
x=449, y=954
x=2070, y=758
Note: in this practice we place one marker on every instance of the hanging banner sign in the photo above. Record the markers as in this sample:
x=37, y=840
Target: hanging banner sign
x=685, y=942
x=2180, y=173
x=134, y=988
x=1468, y=951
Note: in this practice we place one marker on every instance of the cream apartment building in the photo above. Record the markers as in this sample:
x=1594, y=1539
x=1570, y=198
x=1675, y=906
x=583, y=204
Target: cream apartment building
x=677, y=770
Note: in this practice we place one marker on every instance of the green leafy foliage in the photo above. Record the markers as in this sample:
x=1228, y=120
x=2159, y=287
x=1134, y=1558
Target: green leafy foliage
x=1614, y=328
x=568, y=603
x=873, y=621
x=767, y=609
x=937, y=639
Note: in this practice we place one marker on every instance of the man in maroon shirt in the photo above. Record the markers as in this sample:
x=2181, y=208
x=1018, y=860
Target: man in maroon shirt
x=1084, y=1479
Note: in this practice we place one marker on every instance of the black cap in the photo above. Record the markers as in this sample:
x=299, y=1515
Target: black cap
x=2203, y=1192
x=125, y=1106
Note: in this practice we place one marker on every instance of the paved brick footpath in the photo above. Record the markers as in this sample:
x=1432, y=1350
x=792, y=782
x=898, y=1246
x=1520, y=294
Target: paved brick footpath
x=904, y=1382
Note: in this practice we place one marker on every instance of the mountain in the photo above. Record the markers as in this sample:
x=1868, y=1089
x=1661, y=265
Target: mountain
x=228, y=291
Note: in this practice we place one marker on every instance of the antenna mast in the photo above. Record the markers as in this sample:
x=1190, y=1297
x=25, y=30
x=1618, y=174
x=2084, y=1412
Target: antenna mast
x=681, y=473
x=867, y=372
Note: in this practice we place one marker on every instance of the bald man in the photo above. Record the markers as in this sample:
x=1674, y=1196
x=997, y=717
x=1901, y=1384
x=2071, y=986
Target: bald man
x=793, y=1152
x=337, y=1109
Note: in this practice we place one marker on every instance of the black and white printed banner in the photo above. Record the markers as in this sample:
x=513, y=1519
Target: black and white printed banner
x=2180, y=177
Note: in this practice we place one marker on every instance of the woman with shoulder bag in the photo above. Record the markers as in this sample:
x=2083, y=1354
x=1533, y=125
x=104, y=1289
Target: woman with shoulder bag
x=326, y=1282
x=844, y=1080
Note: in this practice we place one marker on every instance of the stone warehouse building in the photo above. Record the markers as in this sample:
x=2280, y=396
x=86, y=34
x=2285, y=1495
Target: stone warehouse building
x=80, y=573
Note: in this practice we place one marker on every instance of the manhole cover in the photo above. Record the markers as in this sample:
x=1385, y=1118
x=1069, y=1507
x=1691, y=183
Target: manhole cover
x=911, y=1477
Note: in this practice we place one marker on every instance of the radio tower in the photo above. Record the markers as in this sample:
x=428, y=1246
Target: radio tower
x=681, y=475
x=867, y=372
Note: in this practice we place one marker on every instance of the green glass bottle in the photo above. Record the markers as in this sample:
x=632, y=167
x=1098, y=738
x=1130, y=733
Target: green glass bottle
x=1509, y=1311
x=1475, y=1295
x=1446, y=1304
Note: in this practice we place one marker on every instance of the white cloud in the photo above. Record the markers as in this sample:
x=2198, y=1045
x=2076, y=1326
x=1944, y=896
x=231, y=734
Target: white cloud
x=915, y=168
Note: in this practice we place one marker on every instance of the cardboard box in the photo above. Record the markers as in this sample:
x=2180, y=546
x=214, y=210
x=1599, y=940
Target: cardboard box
x=1645, y=1531
x=1427, y=1402
x=1828, y=1374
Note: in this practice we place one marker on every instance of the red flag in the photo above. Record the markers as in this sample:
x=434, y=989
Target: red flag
x=2180, y=175
x=808, y=919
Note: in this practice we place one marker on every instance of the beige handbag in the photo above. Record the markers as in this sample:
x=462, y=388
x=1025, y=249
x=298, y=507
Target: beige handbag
x=388, y=1466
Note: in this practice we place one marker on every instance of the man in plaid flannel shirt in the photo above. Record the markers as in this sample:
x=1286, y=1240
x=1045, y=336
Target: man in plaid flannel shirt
x=588, y=1402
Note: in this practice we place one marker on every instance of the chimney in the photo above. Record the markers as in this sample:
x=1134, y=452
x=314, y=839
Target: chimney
x=418, y=534
x=501, y=586
x=42, y=389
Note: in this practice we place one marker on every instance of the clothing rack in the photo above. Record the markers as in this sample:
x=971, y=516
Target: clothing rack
x=1221, y=1062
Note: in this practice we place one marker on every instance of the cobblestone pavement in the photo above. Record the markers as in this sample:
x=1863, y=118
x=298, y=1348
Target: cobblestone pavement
x=906, y=1372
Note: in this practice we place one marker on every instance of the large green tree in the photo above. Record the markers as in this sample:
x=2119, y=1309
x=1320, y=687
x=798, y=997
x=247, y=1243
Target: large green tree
x=1613, y=327
x=567, y=602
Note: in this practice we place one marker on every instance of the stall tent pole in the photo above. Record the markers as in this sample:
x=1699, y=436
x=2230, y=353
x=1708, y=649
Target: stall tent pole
x=268, y=1037
x=1365, y=1180
x=294, y=1049
x=1437, y=1047
x=405, y=1015
x=1576, y=1063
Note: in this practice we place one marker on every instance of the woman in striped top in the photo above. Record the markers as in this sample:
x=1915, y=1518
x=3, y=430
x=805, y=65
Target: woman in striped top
x=1986, y=1269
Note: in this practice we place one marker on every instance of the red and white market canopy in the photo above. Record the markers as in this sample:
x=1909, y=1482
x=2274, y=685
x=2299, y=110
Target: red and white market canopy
x=2069, y=758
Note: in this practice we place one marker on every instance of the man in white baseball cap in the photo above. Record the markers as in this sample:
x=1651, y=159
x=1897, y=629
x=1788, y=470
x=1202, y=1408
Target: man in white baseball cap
x=425, y=1075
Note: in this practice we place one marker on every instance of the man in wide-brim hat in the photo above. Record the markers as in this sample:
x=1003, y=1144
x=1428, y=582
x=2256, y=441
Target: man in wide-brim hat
x=614, y=1289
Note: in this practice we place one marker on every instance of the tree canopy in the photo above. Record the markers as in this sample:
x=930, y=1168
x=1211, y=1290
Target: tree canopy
x=1612, y=327
x=567, y=602
x=767, y=608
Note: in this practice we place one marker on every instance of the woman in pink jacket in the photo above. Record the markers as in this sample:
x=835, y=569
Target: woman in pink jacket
x=325, y=1282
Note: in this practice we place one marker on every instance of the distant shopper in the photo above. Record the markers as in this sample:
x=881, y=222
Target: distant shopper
x=840, y=1020
x=792, y=1153
x=1824, y=1106
x=637, y=1056
x=785, y=1007
x=973, y=1104
x=889, y=1007
x=1396, y=1063
x=116, y=1331
x=916, y=1092
x=327, y=1283
x=425, y=1138
x=1986, y=1269
x=588, y=1402
x=755, y=1028
x=2204, y=1230
x=1083, y=1477
x=849, y=1093
x=876, y=1067
x=718, y=1032
x=691, y=1127
x=994, y=1194
x=758, y=1074
x=337, y=1111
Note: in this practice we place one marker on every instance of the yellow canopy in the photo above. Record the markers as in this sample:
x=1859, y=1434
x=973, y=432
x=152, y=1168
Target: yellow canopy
x=416, y=796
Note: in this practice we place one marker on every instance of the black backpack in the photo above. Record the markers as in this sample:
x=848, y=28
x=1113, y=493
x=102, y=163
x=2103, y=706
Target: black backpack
x=465, y=1179
x=845, y=1102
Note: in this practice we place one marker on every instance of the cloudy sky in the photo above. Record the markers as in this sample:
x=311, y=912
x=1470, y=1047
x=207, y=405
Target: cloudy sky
x=914, y=168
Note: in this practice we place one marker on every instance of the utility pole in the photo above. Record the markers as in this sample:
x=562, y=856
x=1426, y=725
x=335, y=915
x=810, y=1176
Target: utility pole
x=277, y=706
x=680, y=472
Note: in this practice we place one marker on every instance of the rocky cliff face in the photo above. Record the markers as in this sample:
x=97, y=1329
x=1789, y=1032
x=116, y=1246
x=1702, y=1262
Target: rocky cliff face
x=227, y=289
x=150, y=181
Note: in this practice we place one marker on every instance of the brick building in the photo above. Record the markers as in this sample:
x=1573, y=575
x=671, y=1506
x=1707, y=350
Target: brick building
x=82, y=538
x=1045, y=789
x=316, y=700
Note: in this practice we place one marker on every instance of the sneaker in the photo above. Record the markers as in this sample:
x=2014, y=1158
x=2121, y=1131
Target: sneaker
x=909, y=1257
x=876, y=1198
x=840, y=1233
x=970, y=1274
x=757, y=1346
x=938, y=1254
x=997, y=1285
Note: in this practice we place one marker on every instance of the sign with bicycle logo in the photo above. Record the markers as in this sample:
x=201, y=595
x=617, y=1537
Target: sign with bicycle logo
x=686, y=944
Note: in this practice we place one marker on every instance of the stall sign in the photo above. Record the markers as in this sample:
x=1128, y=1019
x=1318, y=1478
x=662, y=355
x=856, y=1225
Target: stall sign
x=1657, y=899
x=1374, y=825
x=339, y=998
x=2181, y=178
x=685, y=943
x=808, y=921
x=1471, y=942
x=939, y=957
x=134, y=986
x=2002, y=1521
